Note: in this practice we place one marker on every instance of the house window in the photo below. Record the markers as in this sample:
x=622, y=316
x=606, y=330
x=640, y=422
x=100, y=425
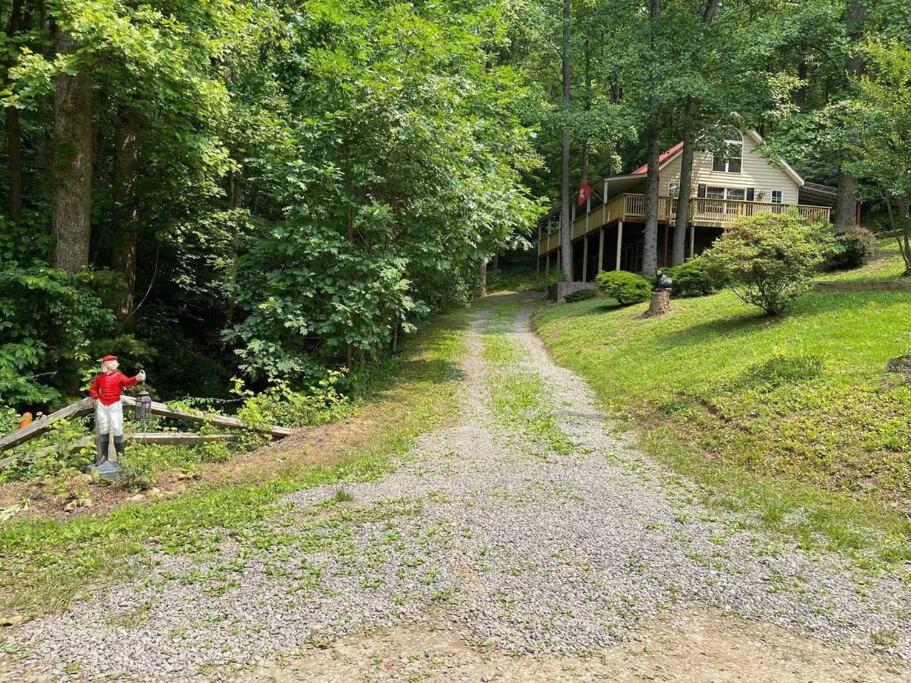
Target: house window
x=732, y=159
x=714, y=193
x=737, y=193
x=777, y=196
x=673, y=189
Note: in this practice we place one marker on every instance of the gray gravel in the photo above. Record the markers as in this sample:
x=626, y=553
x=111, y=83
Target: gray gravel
x=564, y=554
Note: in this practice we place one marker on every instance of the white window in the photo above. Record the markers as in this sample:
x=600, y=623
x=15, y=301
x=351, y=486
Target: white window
x=732, y=159
x=714, y=193
x=737, y=193
x=673, y=189
x=777, y=196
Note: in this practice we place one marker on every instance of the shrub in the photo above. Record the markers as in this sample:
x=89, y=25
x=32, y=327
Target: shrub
x=625, y=287
x=695, y=278
x=281, y=405
x=581, y=295
x=852, y=248
x=769, y=258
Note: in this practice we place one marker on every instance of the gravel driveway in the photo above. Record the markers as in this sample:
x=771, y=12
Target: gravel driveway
x=478, y=534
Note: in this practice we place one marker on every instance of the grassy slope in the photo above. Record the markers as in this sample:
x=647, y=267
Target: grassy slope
x=774, y=414
x=46, y=563
x=885, y=265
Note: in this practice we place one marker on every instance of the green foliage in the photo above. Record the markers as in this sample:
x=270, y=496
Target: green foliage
x=581, y=295
x=48, y=321
x=280, y=405
x=852, y=249
x=695, y=278
x=770, y=259
x=627, y=288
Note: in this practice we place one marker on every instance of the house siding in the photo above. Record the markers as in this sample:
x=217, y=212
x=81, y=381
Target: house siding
x=757, y=172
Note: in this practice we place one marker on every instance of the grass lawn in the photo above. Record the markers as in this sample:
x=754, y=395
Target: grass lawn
x=46, y=563
x=794, y=416
x=886, y=264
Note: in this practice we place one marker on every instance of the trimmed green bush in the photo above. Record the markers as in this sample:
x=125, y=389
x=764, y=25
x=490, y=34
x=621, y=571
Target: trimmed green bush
x=770, y=258
x=581, y=295
x=852, y=249
x=627, y=288
x=695, y=278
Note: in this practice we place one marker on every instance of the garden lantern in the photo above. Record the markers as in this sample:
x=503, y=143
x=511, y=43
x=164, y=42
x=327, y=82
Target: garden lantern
x=143, y=406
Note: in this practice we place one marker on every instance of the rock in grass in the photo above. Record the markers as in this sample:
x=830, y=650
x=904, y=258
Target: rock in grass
x=900, y=364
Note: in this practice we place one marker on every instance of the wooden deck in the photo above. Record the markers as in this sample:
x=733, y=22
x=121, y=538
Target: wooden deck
x=706, y=213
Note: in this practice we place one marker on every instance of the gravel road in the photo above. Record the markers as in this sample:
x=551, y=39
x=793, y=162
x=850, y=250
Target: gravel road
x=476, y=535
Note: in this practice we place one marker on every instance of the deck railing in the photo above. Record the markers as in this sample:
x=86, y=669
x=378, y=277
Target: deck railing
x=721, y=213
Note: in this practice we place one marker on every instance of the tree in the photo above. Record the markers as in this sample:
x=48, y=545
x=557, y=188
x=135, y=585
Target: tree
x=71, y=212
x=566, y=228
x=883, y=152
x=690, y=128
x=650, y=247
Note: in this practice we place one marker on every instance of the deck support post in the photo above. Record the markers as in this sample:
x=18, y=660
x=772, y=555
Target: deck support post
x=601, y=248
x=585, y=257
x=692, y=240
x=547, y=264
x=619, y=242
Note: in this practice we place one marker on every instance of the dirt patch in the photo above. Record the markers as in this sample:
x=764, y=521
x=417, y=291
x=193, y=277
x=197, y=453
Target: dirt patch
x=694, y=645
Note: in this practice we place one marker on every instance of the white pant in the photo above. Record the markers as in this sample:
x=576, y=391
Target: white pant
x=109, y=418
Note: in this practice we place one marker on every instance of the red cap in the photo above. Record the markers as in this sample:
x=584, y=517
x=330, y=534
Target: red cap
x=105, y=359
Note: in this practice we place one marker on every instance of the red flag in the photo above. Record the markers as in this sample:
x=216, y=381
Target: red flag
x=585, y=191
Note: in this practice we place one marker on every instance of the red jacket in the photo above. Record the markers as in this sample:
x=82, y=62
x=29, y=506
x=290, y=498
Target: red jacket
x=106, y=387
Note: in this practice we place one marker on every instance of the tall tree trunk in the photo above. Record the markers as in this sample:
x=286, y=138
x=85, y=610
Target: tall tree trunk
x=690, y=111
x=686, y=180
x=12, y=126
x=650, y=245
x=71, y=205
x=566, y=228
x=482, y=278
x=126, y=210
x=846, y=199
x=586, y=148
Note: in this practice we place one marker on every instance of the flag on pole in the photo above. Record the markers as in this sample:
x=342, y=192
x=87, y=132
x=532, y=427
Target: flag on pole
x=585, y=191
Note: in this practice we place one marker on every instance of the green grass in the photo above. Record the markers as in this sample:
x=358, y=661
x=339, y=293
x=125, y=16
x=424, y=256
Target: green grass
x=886, y=264
x=518, y=398
x=47, y=563
x=792, y=417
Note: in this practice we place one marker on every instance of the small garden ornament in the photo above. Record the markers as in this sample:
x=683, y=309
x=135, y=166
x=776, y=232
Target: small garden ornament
x=105, y=389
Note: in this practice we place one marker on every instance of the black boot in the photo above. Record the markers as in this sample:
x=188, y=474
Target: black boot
x=118, y=446
x=102, y=443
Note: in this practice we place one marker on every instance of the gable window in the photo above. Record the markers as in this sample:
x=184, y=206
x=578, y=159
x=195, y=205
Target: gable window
x=673, y=189
x=732, y=159
x=777, y=196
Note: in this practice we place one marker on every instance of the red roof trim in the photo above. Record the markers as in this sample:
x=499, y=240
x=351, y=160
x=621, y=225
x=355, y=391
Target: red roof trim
x=661, y=159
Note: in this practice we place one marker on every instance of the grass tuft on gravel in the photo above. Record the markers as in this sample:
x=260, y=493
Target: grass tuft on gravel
x=793, y=417
x=45, y=563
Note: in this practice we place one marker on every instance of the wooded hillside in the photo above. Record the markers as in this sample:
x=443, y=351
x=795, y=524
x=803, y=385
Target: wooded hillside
x=271, y=190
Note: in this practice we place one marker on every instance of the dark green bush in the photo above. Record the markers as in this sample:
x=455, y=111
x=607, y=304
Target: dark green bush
x=695, y=278
x=625, y=287
x=852, y=249
x=581, y=295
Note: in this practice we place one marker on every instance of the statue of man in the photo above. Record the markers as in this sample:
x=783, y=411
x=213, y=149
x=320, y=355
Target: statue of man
x=105, y=389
